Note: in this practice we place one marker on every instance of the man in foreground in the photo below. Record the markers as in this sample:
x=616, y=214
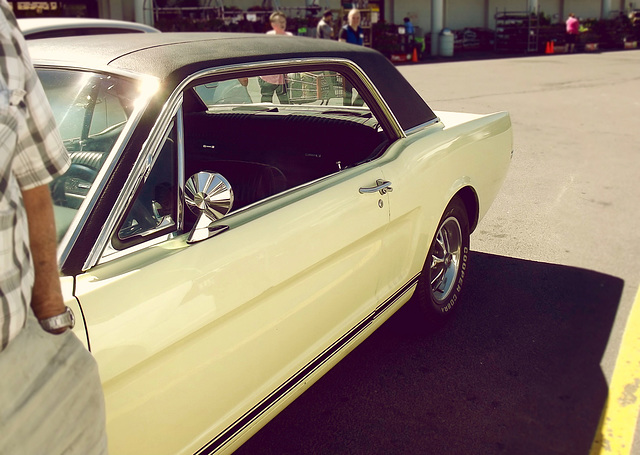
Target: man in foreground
x=51, y=400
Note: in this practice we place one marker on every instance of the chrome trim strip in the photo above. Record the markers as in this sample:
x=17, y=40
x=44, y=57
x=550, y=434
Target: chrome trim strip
x=274, y=64
x=423, y=126
x=233, y=430
x=181, y=170
x=73, y=232
x=104, y=69
x=139, y=172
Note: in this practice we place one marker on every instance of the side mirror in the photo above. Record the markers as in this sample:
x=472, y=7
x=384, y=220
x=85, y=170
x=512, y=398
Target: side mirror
x=210, y=196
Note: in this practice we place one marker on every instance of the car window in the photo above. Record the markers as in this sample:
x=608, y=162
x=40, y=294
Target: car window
x=302, y=87
x=90, y=110
x=265, y=135
x=88, y=106
x=270, y=133
x=154, y=207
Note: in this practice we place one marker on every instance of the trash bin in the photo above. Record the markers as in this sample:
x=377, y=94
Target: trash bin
x=446, y=43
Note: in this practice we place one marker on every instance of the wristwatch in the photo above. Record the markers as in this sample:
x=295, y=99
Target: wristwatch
x=61, y=321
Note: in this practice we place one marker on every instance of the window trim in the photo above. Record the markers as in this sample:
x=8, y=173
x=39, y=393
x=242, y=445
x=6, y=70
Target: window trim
x=69, y=240
x=119, y=244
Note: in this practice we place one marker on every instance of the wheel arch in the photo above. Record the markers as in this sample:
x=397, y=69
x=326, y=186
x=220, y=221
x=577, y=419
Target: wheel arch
x=470, y=199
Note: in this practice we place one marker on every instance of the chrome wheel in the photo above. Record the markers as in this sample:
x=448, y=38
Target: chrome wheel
x=445, y=268
x=446, y=259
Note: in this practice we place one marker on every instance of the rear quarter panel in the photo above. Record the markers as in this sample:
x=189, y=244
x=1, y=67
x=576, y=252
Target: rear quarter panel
x=427, y=169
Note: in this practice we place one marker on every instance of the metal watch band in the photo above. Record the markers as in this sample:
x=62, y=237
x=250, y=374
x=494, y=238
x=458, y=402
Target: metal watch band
x=64, y=320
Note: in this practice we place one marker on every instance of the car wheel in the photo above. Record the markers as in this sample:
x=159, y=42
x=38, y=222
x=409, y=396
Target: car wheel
x=444, y=270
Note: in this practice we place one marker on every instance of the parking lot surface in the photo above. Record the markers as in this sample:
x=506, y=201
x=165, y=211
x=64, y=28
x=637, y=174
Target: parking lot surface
x=526, y=365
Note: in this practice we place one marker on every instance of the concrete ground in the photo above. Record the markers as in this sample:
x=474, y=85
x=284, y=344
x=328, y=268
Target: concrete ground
x=528, y=363
x=572, y=194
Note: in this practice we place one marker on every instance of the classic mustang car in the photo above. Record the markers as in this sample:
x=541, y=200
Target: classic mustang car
x=242, y=211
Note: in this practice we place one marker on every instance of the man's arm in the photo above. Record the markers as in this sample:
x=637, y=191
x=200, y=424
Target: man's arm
x=47, y=298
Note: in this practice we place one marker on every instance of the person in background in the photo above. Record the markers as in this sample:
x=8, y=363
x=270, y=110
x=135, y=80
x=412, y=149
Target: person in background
x=573, y=29
x=278, y=22
x=275, y=83
x=409, y=36
x=50, y=392
x=352, y=33
x=408, y=27
x=325, y=26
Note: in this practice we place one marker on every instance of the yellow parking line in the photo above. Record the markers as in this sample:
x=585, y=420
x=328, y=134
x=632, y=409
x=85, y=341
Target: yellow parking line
x=619, y=418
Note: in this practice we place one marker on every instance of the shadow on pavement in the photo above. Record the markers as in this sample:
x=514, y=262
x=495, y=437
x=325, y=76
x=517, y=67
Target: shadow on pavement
x=517, y=371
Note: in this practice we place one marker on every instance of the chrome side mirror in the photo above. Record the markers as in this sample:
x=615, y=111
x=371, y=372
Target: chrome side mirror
x=210, y=196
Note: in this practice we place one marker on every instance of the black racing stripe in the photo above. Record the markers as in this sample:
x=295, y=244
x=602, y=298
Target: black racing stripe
x=272, y=399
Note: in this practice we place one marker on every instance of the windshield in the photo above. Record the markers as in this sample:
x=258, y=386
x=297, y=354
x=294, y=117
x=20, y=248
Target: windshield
x=91, y=110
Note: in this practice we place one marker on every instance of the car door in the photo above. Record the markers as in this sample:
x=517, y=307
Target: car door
x=422, y=189
x=196, y=342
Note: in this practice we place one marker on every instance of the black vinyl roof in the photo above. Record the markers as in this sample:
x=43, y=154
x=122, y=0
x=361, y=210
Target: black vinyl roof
x=173, y=56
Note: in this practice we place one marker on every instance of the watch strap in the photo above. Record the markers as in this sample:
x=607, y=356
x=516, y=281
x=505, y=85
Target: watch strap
x=60, y=321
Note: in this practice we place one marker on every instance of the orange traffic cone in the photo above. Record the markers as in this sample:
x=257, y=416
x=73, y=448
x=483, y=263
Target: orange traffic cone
x=548, y=48
x=553, y=47
x=414, y=58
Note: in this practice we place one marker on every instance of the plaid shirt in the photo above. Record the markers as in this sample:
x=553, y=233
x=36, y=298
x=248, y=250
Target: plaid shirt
x=31, y=154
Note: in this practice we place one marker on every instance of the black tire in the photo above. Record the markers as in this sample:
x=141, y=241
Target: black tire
x=445, y=268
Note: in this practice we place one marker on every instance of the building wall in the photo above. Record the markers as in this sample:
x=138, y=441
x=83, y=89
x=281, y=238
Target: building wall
x=481, y=13
x=470, y=13
x=583, y=8
x=418, y=11
x=458, y=14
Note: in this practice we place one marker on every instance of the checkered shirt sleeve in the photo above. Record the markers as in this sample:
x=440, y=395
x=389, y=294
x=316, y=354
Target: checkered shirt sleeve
x=31, y=154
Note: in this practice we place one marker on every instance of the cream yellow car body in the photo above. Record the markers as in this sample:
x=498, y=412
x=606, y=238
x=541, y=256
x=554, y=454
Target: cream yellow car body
x=150, y=331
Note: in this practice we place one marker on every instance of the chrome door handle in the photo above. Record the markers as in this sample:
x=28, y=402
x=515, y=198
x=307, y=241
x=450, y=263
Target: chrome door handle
x=382, y=186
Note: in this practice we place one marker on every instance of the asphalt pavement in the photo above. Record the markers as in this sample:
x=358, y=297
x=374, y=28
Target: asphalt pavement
x=525, y=365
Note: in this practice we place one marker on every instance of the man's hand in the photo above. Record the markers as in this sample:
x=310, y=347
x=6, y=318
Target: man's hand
x=47, y=298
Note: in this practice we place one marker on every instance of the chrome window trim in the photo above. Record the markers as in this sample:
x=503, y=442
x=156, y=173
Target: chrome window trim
x=139, y=172
x=70, y=238
x=110, y=253
x=173, y=107
x=56, y=64
x=180, y=207
x=423, y=126
x=394, y=124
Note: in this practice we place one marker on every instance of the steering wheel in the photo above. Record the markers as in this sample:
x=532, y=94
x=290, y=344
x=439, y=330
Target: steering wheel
x=82, y=172
x=144, y=220
x=76, y=172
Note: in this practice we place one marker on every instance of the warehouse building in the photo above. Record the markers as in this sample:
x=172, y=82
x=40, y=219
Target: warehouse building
x=456, y=14
x=430, y=17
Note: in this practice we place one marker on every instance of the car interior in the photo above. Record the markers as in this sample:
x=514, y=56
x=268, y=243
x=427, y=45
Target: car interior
x=264, y=149
x=261, y=149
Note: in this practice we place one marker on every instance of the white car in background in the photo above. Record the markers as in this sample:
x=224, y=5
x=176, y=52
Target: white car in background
x=54, y=27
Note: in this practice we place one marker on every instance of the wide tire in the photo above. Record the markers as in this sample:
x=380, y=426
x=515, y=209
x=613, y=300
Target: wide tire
x=445, y=268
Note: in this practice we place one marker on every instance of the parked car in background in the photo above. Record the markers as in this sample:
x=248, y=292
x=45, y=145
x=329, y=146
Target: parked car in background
x=54, y=27
x=242, y=211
